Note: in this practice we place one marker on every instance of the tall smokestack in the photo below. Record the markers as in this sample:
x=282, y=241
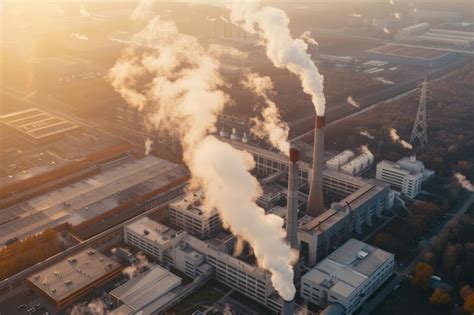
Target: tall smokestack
x=292, y=207
x=288, y=308
x=315, y=205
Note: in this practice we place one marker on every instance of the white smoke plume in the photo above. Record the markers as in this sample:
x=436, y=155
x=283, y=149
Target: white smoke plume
x=386, y=31
x=185, y=95
x=79, y=36
x=357, y=15
x=210, y=19
x=132, y=270
x=238, y=247
x=384, y=81
x=464, y=182
x=142, y=11
x=272, y=127
x=307, y=37
x=396, y=138
x=352, y=102
x=224, y=19
x=365, y=150
x=148, y=146
x=397, y=15
x=271, y=25
x=367, y=134
x=83, y=11
x=392, y=2
x=95, y=307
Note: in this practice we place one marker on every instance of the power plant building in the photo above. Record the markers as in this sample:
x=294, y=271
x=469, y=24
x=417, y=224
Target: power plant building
x=186, y=213
x=348, y=276
x=416, y=56
x=407, y=174
x=68, y=280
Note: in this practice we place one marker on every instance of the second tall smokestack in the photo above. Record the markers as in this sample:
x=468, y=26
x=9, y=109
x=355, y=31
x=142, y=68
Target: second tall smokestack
x=315, y=205
x=292, y=207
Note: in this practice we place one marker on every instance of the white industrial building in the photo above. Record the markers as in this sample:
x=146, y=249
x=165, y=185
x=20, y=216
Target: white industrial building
x=348, y=276
x=424, y=33
x=407, y=174
x=197, y=258
x=152, y=238
x=186, y=213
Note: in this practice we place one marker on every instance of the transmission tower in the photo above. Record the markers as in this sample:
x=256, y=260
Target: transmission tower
x=420, y=130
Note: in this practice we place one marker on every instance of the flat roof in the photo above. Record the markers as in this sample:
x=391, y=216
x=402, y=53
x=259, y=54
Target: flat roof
x=409, y=52
x=73, y=273
x=343, y=271
x=191, y=202
x=152, y=230
x=147, y=288
x=37, y=124
x=90, y=197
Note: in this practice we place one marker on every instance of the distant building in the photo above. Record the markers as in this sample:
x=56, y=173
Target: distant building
x=69, y=279
x=407, y=174
x=186, y=213
x=348, y=276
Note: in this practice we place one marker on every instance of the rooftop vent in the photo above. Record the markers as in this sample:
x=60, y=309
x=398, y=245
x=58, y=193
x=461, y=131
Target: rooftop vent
x=361, y=254
x=146, y=232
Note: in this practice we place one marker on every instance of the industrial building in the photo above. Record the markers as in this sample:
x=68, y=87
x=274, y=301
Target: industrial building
x=186, y=213
x=148, y=293
x=348, y=276
x=121, y=190
x=153, y=238
x=346, y=162
x=407, y=174
x=424, y=33
x=415, y=56
x=66, y=281
x=36, y=125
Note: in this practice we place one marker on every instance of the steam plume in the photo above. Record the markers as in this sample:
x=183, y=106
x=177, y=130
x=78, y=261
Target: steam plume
x=365, y=150
x=357, y=15
x=396, y=138
x=79, y=36
x=142, y=10
x=272, y=127
x=210, y=19
x=83, y=11
x=95, y=307
x=367, y=134
x=397, y=15
x=148, y=146
x=464, y=182
x=307, y=37
x=132, y=270
x=271, y=24
x=384, y=81
x=386, y=31
x=392, y=2
x=351, y=101
x=185, y=94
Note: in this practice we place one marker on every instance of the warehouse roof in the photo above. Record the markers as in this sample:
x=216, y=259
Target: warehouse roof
x=411, y=52
x=70, y=275
x=348, y=267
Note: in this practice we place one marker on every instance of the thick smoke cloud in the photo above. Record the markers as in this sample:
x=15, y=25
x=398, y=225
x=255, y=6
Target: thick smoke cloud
x=271, y=127
x=284, y=51
x=396, y=138
x=185, y=96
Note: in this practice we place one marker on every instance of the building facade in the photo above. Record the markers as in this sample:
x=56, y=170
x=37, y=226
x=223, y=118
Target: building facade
x=348, y=276
x=408, y=181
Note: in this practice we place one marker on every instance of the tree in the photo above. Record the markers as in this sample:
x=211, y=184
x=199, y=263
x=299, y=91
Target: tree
x=422, y=277
x=469, y=304
x=439, y=297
